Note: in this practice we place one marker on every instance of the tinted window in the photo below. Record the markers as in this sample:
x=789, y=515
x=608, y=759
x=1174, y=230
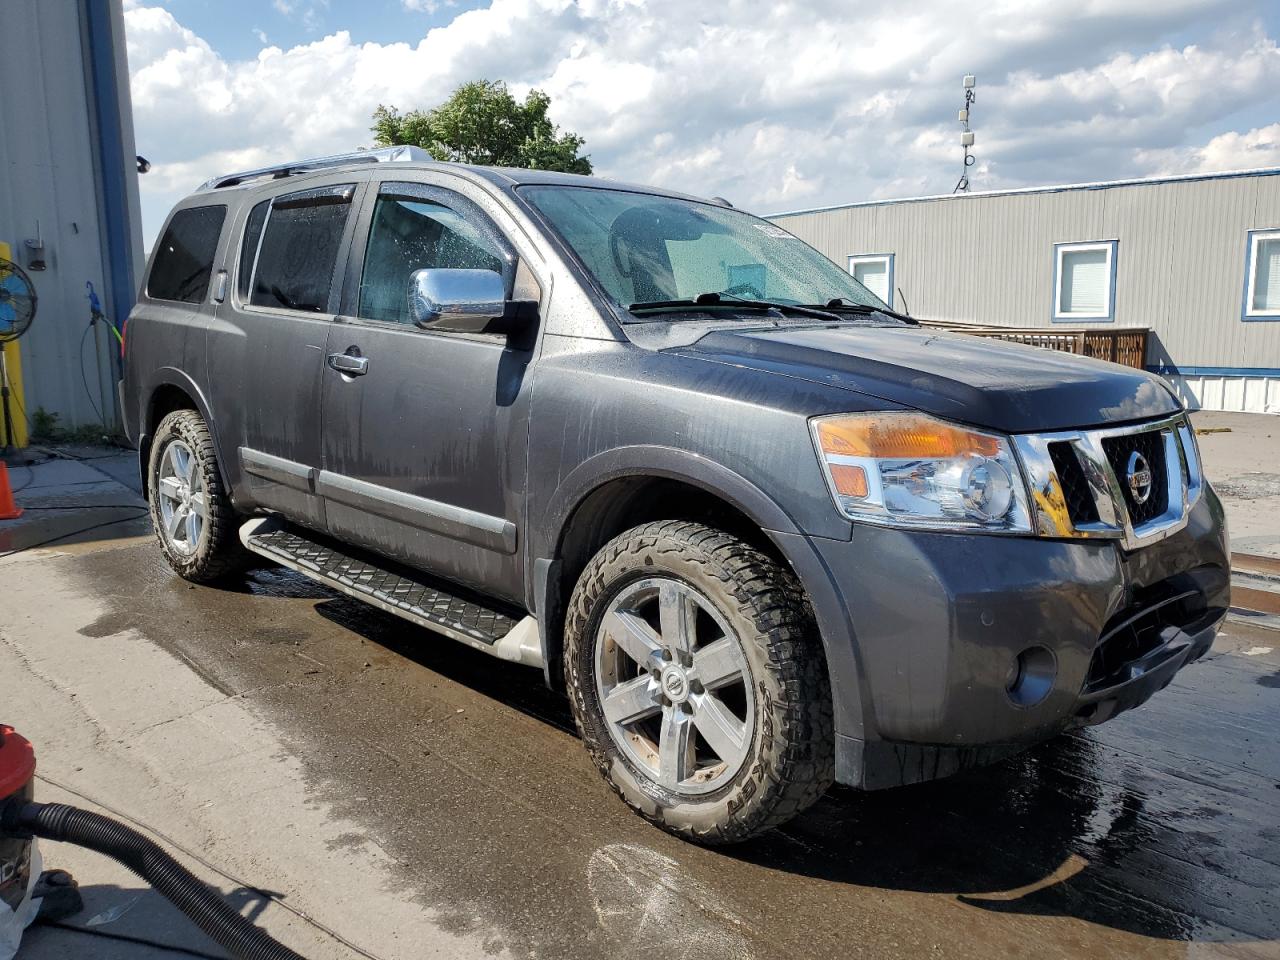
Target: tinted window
x=184, y=258
x=411, y=234
x=249, y=247
x=299, y=249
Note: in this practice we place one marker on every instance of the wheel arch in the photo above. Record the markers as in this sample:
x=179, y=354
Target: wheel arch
x=615, y=491
x=170, y=389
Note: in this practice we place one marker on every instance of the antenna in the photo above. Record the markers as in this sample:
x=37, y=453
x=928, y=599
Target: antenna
x=966, y=135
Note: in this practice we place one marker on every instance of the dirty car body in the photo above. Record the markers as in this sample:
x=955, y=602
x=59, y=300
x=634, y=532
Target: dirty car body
x=965, y=603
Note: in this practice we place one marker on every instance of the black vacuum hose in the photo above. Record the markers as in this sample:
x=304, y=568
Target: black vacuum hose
x=205, y=906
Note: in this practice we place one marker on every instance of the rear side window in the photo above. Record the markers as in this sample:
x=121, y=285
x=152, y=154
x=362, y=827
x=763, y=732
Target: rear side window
x=249, y=247
x=299, y=249
x=184, y=258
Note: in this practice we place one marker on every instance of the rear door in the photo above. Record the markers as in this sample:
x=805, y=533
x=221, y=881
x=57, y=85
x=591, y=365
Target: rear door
x=266, y=345
x=424, y=447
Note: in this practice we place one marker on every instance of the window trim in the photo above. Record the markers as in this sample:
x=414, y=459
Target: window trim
x=243, y=303
x=1253, y=244
x=1059, y=251
x=856, y=258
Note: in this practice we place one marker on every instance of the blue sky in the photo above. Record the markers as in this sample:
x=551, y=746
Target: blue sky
x=236, y=28
x=776, y=105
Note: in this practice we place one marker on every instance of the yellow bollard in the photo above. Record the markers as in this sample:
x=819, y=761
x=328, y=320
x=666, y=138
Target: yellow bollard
x=13, y=367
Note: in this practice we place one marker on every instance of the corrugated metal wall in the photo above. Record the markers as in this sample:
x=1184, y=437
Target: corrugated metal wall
x=1180, y=262
x=50, y=172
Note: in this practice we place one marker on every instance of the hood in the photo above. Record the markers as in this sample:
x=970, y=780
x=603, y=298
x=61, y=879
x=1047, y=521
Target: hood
x=1004, y=386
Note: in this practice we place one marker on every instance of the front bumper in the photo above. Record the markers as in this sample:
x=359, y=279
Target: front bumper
x=923, y=630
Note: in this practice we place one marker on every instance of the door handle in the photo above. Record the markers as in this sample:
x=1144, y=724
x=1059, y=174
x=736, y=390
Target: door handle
x=349, y=363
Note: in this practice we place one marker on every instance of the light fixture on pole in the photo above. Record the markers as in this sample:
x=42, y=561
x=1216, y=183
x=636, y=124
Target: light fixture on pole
x=966, y=135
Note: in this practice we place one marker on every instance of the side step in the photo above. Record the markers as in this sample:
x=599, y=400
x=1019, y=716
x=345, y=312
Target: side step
x=415, y=597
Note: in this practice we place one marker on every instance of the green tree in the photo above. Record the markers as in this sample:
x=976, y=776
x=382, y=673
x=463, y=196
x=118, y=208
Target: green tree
x=483, y=123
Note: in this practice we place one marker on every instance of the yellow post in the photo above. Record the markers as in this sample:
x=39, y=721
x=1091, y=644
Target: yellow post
x=13, y=367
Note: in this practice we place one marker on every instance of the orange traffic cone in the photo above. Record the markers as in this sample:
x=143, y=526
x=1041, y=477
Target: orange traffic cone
x=8, y=509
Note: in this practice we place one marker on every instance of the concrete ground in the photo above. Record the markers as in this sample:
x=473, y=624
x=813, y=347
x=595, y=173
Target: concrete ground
x=419, y=799
x=1242, y=457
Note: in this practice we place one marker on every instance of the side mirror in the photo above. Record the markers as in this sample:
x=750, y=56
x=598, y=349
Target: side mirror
x=461, y=300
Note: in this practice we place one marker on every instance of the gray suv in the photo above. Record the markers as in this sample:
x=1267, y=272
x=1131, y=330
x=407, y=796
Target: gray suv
x=765, y=532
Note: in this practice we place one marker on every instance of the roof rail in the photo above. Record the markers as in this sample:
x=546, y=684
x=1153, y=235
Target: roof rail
x=382, y=155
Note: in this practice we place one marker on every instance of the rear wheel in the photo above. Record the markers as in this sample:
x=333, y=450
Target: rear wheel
x=190, y=511
x=698, y=682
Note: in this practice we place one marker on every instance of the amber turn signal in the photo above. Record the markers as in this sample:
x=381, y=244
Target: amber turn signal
x=849, y=481
x=901, y=437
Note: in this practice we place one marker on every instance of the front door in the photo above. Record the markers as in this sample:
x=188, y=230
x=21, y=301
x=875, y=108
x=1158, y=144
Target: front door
x=424, y=431
x=266, y=348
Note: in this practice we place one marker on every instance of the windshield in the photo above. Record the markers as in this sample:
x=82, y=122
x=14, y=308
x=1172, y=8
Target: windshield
x=644, y=249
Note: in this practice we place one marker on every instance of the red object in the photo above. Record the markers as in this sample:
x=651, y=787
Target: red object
x=8, y=509
x=17, y=761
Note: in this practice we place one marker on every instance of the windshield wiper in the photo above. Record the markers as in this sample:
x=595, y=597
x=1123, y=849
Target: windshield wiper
x=850, y=306
x=728, y=300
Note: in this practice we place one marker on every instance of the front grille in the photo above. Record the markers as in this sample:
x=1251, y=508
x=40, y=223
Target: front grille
x=1151, y=446
x=1075, y=488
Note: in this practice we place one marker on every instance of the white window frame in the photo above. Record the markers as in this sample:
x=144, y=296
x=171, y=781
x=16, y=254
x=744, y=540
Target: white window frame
x=1060, y=250
x=885, y=258
x=1251, y=275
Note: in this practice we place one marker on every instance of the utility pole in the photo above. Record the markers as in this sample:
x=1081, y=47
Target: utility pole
x=966, y=135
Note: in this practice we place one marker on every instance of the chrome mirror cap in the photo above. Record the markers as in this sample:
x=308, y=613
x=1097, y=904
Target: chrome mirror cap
x=456, y=299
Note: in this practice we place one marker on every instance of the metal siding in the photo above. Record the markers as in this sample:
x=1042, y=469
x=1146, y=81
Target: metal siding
x=49, y=174
x=1180, y=264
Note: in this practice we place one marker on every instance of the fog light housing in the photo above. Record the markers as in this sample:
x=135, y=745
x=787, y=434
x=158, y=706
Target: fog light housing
x=1031, y=676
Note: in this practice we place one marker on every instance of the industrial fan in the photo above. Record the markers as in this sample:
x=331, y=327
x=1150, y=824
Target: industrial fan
x=17, y=310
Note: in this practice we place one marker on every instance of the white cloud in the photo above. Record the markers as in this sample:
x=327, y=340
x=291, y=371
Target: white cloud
x=774, y=105
x=1255, y=148
x=427, y=6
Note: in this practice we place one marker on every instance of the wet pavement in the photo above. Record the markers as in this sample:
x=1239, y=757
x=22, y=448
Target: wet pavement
x=426, y=780
x=1157, y=834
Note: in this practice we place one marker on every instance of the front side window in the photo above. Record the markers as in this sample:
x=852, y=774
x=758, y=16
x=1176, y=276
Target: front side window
x=875, y=272
x=1084, y=280
x=410, y=233
x=184, y=258
x=299, y=249
x=645, y=249
x=1262, y=291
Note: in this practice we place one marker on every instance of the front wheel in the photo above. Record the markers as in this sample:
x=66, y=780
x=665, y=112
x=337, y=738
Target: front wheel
x=698, y=682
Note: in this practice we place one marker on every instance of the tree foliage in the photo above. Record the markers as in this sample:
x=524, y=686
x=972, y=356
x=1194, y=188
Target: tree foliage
x=483, y=123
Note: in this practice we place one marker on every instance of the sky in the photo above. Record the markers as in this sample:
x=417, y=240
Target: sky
x=775, y=105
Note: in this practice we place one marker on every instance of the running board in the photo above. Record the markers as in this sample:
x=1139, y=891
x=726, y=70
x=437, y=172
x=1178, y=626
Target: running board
x=421, y=601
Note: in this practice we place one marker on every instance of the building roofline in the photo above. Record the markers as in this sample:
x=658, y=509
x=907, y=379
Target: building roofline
x=1060, y=188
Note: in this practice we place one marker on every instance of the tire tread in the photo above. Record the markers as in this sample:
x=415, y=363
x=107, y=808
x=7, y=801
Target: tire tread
x=801, y=765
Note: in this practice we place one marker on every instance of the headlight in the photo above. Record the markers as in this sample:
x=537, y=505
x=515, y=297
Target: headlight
x=909, y=469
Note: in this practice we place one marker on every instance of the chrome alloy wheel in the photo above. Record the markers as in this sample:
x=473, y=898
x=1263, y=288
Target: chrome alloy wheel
x=184, y=510
x=674, y=686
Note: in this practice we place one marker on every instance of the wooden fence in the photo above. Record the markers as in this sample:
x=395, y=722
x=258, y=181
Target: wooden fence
x=1125, y=345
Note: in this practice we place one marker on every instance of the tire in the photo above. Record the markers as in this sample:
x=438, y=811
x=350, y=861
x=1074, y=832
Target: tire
x=216, y=551
x=763, y=747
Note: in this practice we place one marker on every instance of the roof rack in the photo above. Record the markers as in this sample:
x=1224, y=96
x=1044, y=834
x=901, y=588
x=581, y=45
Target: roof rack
x=382, y=155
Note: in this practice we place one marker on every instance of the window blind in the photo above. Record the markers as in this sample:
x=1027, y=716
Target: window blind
x=1086, y=283
x=1266, y=278
x=874, y=275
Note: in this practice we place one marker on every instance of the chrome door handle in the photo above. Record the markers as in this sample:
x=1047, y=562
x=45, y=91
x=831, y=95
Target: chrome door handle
x=351, y=364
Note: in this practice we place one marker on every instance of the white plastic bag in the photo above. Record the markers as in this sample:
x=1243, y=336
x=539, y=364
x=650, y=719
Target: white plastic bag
x=13, y=922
